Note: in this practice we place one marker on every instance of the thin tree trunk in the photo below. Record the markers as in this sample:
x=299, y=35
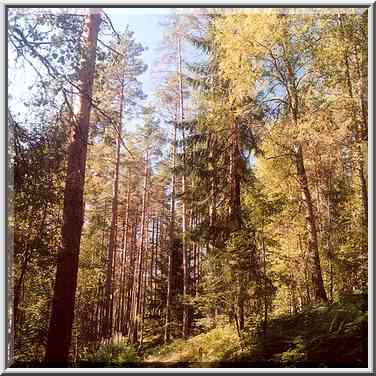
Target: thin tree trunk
x=121, y=286
x=235, y=204
x=130, y=287
x=24, y=266
x=290, y=83
x=138, y=275
x=125, y=252
x=157, y=245
x=60, y=330
x=144, y=287
x=265, y=323
x=234, y=209
x=111, y=266
x=359, y=131
x=319, y=293
x=184, y=205
x=152, y=262
x=171, y=253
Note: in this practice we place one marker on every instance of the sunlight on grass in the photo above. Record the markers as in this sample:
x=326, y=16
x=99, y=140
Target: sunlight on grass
x=209, y=347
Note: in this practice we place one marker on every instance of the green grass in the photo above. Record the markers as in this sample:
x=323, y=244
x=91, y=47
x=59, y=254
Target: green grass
x=319, y=336
x=207, y=349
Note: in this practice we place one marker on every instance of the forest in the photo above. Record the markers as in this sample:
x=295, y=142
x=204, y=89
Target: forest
x=208, y=208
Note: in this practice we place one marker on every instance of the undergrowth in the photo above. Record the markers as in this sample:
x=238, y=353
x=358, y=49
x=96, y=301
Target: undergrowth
x=116, y=354
x=319, y=336
x=207, y=349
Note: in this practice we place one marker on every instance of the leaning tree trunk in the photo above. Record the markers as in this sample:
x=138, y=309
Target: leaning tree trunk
x=60, y=330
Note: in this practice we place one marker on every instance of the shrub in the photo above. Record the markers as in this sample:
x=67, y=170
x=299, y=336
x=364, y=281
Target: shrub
x=115, y=354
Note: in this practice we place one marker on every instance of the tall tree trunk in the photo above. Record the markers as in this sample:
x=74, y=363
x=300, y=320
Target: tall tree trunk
x=120, y=280
x=152, y=261
x=138, y=275
x=359, y=129
x=184, y=203
x=235, y=204
x=130, y=283
x=157, y=245
x=265, y=322
x=109, y=293
x=144, y=287
x=126, y=260
x=60, y=330
x=171, y=246
x=319, y=293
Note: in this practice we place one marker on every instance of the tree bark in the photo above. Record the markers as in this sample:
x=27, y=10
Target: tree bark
x=319, y=294
x=126, y=258
x=110, y=272
x=135, y=320
x=60, y=330
x=171, y=253
x=290, y=83
x=186, y=328
x=235, y=204
x=359, y=129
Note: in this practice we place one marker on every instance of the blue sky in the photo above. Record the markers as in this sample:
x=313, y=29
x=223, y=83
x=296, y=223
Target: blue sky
x=147, y=31
x=145, y=24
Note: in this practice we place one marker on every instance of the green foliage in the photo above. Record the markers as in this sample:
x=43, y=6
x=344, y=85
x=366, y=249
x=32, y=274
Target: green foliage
x=117, y=354
x=334, y=335
x=319, y=336
x=207, y=349
x=38, y=171
x=267, y=83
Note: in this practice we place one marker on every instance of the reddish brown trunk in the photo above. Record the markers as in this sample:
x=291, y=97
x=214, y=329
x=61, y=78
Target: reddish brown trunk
x=135, y=319
x=60, y=330
x=126, y=258
x=171, y=246
x=111, y=266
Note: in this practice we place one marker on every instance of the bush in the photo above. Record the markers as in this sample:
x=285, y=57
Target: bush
x=116, y=354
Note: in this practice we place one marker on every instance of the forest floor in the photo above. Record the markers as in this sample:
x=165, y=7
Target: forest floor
x=319, y=336
x=334, y=335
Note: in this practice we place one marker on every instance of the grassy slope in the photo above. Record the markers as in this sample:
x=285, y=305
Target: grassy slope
x=319, y=336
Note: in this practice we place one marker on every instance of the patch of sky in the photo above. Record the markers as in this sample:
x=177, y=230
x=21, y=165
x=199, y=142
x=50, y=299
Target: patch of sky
x=147, y=28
